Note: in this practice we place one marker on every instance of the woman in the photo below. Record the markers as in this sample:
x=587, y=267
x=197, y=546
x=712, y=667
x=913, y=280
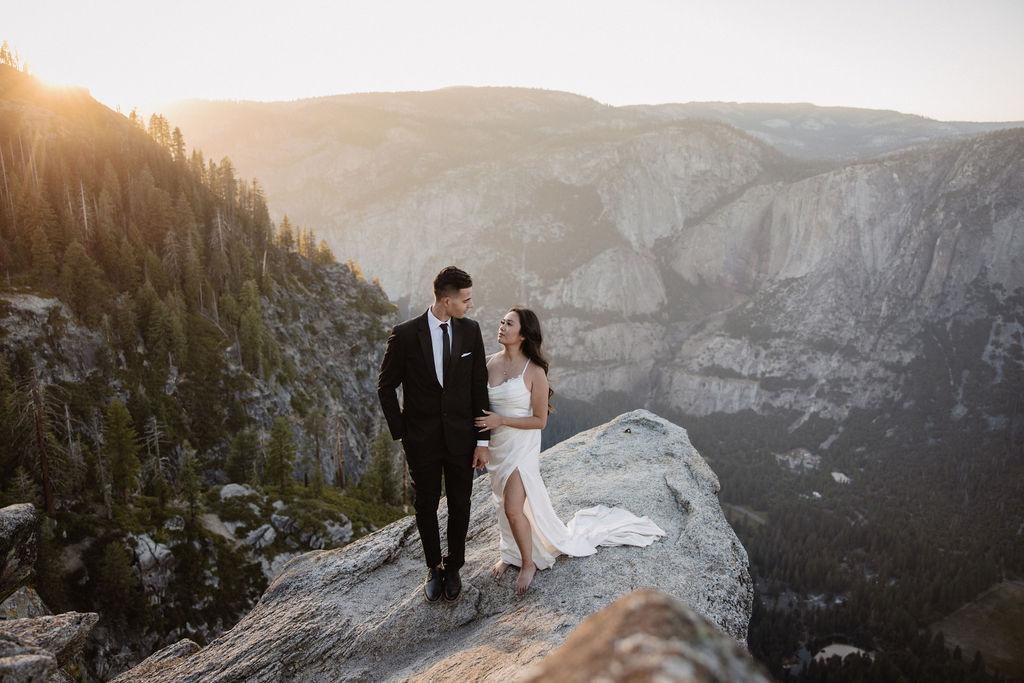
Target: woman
x=531, y=534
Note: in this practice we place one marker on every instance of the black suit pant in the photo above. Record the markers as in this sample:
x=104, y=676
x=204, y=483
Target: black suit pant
x=428, y=464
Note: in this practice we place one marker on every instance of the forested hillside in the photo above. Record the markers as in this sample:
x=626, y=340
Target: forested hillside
x=160, y=338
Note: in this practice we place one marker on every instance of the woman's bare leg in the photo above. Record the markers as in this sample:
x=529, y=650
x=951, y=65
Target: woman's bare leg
x=514, y=500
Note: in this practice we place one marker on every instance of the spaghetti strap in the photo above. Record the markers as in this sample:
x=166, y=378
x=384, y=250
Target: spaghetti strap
x=524, y=368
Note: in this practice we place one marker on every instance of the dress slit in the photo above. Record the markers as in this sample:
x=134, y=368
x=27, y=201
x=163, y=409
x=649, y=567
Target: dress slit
x=518, y=450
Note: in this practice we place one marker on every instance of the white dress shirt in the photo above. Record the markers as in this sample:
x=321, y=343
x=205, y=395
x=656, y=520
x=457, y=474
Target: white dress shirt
x=437, y=345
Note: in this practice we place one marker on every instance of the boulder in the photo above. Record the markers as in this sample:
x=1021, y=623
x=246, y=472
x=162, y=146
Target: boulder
x=647, y=636
x=339, y=534
x=358, y=612
x=262, y=537
x=150, y=555
x=284, y=524
x=23, y=662
x=154, y=562
x=23, y=603
x=235, y=490
x=19, y=545
x=61, y=635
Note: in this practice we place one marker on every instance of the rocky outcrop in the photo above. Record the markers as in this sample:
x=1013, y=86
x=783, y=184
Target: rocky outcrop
x=34, y=649
x=164, y=659
x=359, y=613
x=64, y=351
x=21, y=661
x=34, y=645
x=330, y=326
x=19, y=545
x=23, y=603
x=647, y=636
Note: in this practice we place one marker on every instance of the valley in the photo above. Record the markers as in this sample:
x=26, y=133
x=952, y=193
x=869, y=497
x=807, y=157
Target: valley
x=774, y=279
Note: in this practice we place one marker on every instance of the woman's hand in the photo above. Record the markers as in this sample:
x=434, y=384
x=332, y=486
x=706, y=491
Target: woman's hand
x=488, y=421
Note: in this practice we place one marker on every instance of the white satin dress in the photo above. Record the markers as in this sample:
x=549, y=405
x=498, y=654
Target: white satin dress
x=513, y=449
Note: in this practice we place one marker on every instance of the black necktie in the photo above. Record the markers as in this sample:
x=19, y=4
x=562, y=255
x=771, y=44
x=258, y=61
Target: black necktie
x=446, y=350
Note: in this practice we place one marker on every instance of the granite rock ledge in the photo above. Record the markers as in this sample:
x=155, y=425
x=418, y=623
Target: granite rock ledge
x=358, y=612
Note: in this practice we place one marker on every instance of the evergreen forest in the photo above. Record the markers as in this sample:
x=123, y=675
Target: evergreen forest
x=929, y=520
x=149, y=308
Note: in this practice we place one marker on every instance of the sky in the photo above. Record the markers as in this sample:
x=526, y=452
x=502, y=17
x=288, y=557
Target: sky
x=945, y=59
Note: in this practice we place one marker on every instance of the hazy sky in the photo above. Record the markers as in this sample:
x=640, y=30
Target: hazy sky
x=945, y=59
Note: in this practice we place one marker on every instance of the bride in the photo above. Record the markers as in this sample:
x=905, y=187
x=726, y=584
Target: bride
x=531, y=534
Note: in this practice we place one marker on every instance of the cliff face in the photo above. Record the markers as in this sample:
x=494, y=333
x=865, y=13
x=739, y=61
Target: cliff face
x=680, y=261
x=328, y=327
x=358, y=612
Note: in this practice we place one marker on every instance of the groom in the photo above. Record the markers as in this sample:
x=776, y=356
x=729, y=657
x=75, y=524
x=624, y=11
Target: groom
x=438, y=359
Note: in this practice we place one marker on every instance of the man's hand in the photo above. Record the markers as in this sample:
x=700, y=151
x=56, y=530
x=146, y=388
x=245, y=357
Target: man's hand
x=481, y=454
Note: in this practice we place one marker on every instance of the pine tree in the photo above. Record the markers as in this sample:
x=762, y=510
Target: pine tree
x=316, y=426
x=281, y=453
x=171, y=258
x=10, y=404
x=285, y=235
x=380, y=482
x=121, y=446
x=24, y=489
x=160, y=131
x=251, y=333
x=178, y=146
x=50, y=568
x=324, y=255
x=226, y=188
x=119, y=585
x=192, y=278
x=240, y=460
x=357, y=271
x=9, y=56
x=41, y=413
x=316, y=481
x=307, y=243
x=129, y=273
x=44, y=265
x=81, y=284
x=190, y=482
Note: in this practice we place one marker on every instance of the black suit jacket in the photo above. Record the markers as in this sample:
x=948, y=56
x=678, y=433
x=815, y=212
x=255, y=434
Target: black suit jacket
x=429, y=412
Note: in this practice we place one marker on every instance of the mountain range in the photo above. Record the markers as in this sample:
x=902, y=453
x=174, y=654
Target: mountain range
x=677, y=259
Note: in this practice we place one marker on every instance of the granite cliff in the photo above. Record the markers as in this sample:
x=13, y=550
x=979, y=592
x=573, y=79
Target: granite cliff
x=358, y=612
x=680, y=261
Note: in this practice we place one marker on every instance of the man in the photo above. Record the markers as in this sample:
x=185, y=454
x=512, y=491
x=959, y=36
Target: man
x=438, y=359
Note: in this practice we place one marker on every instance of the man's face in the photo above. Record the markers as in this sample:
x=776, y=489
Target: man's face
x=458, y=306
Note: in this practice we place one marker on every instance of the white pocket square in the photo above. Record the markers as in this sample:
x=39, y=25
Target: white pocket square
x=465, y=354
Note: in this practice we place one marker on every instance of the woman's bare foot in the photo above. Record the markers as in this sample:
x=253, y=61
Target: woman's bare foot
x=498, y=570
x=525, y=578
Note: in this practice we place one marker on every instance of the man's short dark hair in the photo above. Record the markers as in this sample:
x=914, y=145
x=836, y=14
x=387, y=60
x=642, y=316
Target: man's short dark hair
x=450, y=280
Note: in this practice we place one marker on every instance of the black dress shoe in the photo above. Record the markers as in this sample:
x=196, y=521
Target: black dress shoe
x=452, y=584
x=432, y=589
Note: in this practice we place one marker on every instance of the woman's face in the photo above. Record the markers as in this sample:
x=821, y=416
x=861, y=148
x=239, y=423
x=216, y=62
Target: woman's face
x=509, y=330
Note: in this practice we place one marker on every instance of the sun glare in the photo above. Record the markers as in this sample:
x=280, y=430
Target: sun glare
x=58, y=86
x=742, y=51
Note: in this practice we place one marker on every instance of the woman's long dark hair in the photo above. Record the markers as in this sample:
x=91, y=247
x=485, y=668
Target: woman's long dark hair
x=533, y=339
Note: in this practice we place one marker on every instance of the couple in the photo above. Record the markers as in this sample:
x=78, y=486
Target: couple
x=448, y=429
